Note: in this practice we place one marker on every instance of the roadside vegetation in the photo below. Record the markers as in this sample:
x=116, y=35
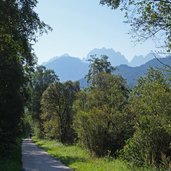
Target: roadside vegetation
x=11, y=161
x=110, y=121
x=117, y=127
x=20, y=27
x=80, y=159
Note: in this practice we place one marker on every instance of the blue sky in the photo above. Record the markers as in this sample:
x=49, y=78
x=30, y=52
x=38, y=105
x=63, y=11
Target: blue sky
x=82, y=25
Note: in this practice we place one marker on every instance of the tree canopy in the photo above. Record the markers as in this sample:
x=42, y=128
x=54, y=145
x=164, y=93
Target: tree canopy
x=97, y=66
x=99, y=110
x=57, y=114
x=20, y=26
x=148, y=19
x=150, y=104
x=41, y=79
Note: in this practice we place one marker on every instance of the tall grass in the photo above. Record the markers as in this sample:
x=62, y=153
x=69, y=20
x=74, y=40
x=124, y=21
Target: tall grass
x=11, y=160
x=79, y=159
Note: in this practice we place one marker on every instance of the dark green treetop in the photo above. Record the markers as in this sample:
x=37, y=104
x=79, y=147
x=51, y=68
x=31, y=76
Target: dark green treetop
x=97, y=66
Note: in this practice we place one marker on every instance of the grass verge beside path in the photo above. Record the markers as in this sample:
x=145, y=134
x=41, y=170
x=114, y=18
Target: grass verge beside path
x=79, y=159
x=11, y=161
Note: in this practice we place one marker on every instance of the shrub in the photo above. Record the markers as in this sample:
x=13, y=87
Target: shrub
x=103, y=133
x=150, y=141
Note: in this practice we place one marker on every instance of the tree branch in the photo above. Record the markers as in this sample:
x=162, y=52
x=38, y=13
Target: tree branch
x=161, y=61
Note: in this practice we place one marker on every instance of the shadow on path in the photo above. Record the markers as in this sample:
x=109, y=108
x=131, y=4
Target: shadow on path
x=35, y=159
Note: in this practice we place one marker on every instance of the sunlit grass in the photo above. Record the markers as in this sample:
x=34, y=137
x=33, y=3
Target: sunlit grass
x=79, y=159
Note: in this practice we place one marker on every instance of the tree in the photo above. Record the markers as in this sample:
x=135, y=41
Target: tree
x=150, y=142
x=98, y=65
x=41, y=79
x=150, y=104
x=19, y=28
x=151, y=95
x=100, y=121
x=57, y=114
x=148, y=19
x=11, y=102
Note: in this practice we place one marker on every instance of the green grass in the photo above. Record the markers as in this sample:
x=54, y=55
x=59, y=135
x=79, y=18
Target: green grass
x=79, y=159
x=11, y=161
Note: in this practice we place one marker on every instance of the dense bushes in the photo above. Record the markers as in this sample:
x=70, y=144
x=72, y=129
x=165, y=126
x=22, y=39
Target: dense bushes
x=138, y=127
x=101, y=133
x=11, y=160
x=150, y=142
x=100, y=121
x=150, y=102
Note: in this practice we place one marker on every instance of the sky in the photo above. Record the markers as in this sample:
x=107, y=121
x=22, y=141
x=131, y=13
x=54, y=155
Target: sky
x=82, y=25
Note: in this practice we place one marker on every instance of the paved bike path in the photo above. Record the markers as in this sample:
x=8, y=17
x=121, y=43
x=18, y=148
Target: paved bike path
x=35, y=159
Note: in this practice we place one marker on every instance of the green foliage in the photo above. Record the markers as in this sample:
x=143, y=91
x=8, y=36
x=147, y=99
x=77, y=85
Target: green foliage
x=150, y=104
x=19, y=28
x=109, y=120
x=152, y=95
x=27, y=124
x=11, y=160
x=146, y=19
x=100, y=121
x=78, y=158
x=112, y=3
x=150, y=141
x=102, y=133
x=57, y=115
x=98, y=65
x=11, y=101
x=41, y=79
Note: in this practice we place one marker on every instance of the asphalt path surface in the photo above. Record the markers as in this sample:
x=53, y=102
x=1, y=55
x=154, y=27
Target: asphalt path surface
x=35, y=159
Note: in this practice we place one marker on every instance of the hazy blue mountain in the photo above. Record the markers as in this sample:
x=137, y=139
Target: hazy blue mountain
x=140, y=60
x=73, y=68
x=67, y=67
x=115, y=58
x=131, y=74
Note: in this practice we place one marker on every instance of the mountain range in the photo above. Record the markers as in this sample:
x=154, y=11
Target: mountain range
x=68, y=67
x=73, y=68
x=116, y=58
x=131, y=74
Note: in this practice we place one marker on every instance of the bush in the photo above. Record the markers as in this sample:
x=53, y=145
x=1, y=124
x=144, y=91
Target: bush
x=150, y=141
x=100, y=121
x=103, y=133
x=11, y=159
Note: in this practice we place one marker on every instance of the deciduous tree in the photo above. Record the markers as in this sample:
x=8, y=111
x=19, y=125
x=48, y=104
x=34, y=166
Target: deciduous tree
x=57, y=114
x=19, y=28
x=150, y=104
x=100, y=121
x=98, y=65
x=41, y=79
x=148, y=19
